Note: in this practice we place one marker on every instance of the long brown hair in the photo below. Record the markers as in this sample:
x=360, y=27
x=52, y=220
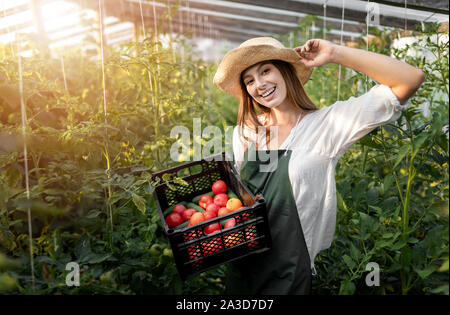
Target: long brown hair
x=249, y=109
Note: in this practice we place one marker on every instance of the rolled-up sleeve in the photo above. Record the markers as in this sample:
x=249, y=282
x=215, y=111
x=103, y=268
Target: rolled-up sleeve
x=353, y=119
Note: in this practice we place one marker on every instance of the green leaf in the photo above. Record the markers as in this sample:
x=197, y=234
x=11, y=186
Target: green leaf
x=340, y=202
x=401, y=154
x=93, y=214
x=424, y=273
x=398, y=245
x=368, y=141
x=418, y=142
x=347, y=288
x=387, y=182
x=139, y=202
x=40, y=207
x=381, y=244
x=180, y=181
x=444, y=266
x=349, y=261
x=372, y=196
x=354, y=252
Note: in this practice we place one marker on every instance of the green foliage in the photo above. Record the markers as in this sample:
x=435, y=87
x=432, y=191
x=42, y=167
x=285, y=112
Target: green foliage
x=90, y=195
x=393, y=190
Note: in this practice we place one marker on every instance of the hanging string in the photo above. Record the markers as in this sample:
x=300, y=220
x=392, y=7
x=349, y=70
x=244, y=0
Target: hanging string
x=181, y=29
x=25, y=157
x=169, y=16
x=367, y=38
x=142, y=19
x=325, y=20
x=64, y=74
x=324, y=36
x=406, y=14
x=313, y=30
x=340, y=67
x=157, y=50
x=105, y=114
x=145, y=36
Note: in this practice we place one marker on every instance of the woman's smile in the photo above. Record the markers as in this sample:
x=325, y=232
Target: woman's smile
x=268, y=93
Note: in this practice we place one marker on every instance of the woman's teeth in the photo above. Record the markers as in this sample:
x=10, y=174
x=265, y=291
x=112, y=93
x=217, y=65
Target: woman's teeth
x=268, y=92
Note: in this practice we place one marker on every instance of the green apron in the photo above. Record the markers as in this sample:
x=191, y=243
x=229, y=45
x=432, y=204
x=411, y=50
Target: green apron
x=286, y=267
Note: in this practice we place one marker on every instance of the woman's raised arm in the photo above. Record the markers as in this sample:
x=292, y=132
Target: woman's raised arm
x=402, y=78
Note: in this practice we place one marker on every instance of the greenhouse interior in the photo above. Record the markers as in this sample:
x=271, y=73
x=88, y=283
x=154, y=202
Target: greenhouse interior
x=96, y=95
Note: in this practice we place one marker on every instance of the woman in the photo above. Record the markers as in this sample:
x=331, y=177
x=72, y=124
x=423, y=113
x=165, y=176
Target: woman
x=276, y=116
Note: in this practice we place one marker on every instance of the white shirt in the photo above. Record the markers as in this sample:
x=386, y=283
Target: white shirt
x=317, y=142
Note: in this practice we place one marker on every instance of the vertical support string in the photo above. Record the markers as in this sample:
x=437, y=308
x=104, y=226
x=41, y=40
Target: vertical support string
x=64, y=74
x=105, y=115
x=325, y=20
x=180, y=12
x=367, y=38
x=341, y=41
x=25, y=157
x=406, y=15
x=313, y=29
x=142, y=18
x=324, y=35
x=155, y=25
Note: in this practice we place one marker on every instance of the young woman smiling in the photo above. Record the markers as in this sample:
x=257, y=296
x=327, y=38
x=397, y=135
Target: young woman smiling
x=300, y=192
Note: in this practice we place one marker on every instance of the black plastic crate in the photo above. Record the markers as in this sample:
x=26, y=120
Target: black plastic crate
x=193, y=250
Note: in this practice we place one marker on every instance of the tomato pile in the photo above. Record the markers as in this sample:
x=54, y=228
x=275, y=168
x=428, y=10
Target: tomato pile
x=220, y=201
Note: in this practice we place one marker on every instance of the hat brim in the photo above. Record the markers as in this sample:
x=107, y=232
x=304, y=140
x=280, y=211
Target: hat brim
x=237, y=60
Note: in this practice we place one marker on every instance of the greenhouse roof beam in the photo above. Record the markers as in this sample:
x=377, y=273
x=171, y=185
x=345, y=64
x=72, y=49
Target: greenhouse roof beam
x=332, y=11
x=241, y=28
x=439, y=7
x=217, y=17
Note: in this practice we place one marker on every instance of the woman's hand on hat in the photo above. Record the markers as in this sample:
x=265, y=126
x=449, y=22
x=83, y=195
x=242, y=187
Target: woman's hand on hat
x=316, y=52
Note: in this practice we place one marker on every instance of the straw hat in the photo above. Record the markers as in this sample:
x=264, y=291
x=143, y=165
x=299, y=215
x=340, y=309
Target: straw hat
x=251, y=52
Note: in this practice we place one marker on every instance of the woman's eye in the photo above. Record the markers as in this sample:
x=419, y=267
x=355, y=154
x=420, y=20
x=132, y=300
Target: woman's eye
x=266, y=71
x=249, y=82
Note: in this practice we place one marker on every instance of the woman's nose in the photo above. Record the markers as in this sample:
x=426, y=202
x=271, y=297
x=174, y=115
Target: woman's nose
x=260, y=83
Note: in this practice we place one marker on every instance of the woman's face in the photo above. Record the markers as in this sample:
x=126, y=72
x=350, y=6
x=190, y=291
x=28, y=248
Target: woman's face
x=265, y=84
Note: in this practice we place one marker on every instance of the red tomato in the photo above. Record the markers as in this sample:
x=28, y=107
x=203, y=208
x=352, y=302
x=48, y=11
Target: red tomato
x=223, y=211
x=194, y=252
x=213, y=208
x=219, y=187
x=221, y=200
x=173, y=220
x=179, y=208
x=212, y=228
x=212, y=246
x=233, y=239
x=196, y=218
x=209, y=215
x=187, y=214
x=230, y=223
x=205, y=200
x=251, y=234
x=244, y=216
